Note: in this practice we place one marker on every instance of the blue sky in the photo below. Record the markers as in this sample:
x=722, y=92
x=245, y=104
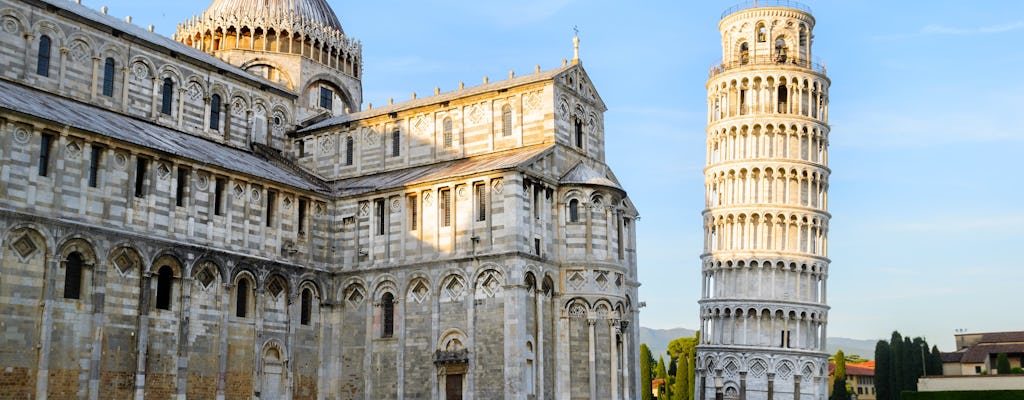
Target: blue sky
x=927, y=114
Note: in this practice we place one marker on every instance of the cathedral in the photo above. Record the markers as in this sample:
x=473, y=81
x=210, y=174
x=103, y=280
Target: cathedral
x=217, y=215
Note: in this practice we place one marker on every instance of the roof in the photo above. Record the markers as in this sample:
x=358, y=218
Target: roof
x=160, y=41
x=438, y=171
x=582, y=174
x=982, y=351
x=315, y=11
x=1002, y=337
x=68, y=112
x=443, y=97
x=866, y=368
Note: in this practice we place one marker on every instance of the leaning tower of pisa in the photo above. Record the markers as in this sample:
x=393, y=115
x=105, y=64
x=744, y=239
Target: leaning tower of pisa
x=765, y=261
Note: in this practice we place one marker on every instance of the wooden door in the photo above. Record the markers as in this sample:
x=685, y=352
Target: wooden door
x=453, y=387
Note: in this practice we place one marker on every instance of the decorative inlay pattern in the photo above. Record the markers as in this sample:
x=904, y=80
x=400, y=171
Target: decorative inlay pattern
x=21, y=135
x=140, y=71
x=24, y=246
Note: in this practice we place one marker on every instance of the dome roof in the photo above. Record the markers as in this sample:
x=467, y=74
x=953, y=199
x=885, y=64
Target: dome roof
x=315, y=11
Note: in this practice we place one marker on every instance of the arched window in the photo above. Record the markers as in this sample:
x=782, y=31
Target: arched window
x=762, y=33
x=73, y=276
x=43, y=59
x=168, y=96
x=506, y=120
x=803, y=37
x=108, y=77
x=783, y=97
x=574, y=210
x=780, y=49
x=349, y=150
x=744, y=53
x=306, y=311
x=164, y=284
x=387, y=306
x=396, y=143
x=215, y=112
x=447, y=133
x=578, y=132
x=242, y=298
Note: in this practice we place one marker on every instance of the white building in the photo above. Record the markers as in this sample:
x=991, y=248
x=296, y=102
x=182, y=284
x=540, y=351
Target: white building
x=763, y=307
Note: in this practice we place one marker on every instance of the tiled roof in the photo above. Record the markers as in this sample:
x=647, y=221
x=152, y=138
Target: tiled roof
x=438, y=171
x=1002, y=337
x=582, y=174
x=866, y=368
x=67, y=112
x=316, y=11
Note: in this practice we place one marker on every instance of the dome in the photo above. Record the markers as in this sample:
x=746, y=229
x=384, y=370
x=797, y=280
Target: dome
x=317, y=12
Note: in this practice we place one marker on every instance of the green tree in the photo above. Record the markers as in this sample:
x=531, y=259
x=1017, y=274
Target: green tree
x=681, y=387
x=899, y=363
x=1002, y=364
x=660, y=372
x=646, y=359
x=935, y=362
x=883, y=371
x=839, y=377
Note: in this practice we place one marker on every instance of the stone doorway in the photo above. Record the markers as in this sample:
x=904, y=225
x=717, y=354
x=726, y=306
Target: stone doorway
x=273, y=375
x=453, y=386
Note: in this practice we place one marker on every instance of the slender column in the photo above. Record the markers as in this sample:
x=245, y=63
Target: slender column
x=593, y=359
x=95, y=78
x=539, y=354
x=98, y=321
x=624, y=327
x=614, y=359
x=222, y=357
x=142, y=343
x=51, y=264
x=64, y=51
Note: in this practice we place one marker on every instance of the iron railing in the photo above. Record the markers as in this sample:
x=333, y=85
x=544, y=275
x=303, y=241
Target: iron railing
x=766, y=3
x=744, y=61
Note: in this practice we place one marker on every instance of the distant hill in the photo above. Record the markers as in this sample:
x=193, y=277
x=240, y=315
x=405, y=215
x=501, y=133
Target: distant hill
x=657, y=340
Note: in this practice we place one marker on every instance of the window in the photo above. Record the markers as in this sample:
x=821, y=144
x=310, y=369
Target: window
x=414, y=214
x=536, y=246
x=446, y=207
x=326, y=98
x=43, y=59
x=215, y=112
x=378, y=206
x=744, y=53
x=271, y=205
x=780, y=49
x=506, y=120
x=785, y=340
x=349, y=150
x=395, y=143
x=387, y=306
x=480, y=194
x=307, y=307
x=108, y=77
x=447, y=133
x=301, y=144
x=762, y=33
x=94, y=165
x=45, y=146
x=303, y=205
x=242, y=298
x=574, y=210
x=73, y=276
x=218, y=196
x=164, y=284
x=168, y=96
x=578, y=132
x=181, y=185
x=141, y=166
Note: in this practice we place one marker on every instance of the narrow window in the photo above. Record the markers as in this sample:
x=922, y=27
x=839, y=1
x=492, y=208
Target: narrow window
x=43, y=60
x=141, y=166
x=387, y=306
x=326, y=98
x=780, y=50
x=108, y=77
x=271, y=205
x=215, y=112
x=414, y=215
x=218, y=196
x=242, y=298
x=744, y=53
x=783, y=97
x=45, y=146
x=762, y=33
x=395, y=143
x=480, y=192
x=164, y=282
x=73, y=276
x=506, y=121
x=349, y=150
x=446, y=207
x=536, y=246
x=574, y=210
x=303, y=205
x=307, y=307
x=578, y=132
x=447, y=133
x=168, y=96
x=537, y=203
x=94, y=165
x=379, y=208
x=181, y=185
x=301, y=144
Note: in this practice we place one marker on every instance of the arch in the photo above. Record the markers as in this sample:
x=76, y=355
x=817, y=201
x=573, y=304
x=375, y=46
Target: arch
x=125, y=258
x=453, y=339
x=244, y=287
x=506, y=120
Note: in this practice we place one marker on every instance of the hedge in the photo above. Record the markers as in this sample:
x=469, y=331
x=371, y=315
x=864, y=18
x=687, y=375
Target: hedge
x=965, y=395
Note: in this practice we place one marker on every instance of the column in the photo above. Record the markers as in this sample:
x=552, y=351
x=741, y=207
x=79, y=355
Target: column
x=222, y=359
x=539, y=354
x=743, y=385
x=95, y=78
x=142, y=342
x=98, y=318
x=612, y=333
x=46, y=328
x=593, y=359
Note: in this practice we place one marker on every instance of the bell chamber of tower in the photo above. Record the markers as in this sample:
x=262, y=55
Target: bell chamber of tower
x=765, y=262
x=298, y=44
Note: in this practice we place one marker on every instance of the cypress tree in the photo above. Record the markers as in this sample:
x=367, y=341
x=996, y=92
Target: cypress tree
x=646, y=359
x=839, y=391
x=883, y=371
x=898, y=365
x=662, y=373
x=1002, y=364
x=681, y=388
x=935, y=362
x=839, y=378
x=911, y=366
